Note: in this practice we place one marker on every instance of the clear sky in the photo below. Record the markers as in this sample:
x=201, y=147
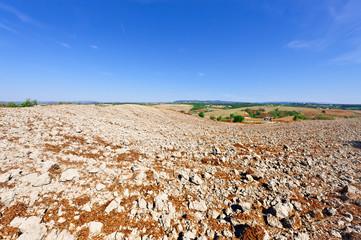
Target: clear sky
x=165, y=50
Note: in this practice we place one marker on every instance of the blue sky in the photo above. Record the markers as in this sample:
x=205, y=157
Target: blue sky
x=159, y=50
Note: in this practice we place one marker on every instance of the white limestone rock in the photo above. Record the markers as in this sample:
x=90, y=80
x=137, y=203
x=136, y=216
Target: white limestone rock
x=69, y=175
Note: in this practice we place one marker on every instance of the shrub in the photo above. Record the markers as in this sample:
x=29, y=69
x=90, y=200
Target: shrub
x=219, y=118
x=299, y=116
x=323, y=111
x=12, y=104
x=201, y=114
x=213, y=117
x=238, y=118
x=28, y=103
x=232, y=115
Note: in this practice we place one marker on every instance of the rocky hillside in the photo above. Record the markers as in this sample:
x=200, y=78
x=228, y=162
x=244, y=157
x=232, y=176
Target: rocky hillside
x=137, y=172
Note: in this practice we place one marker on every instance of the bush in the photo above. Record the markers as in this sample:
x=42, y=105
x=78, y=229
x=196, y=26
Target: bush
x=232, y=115
x=201, y=114
x=12, y=104
x=213, y=117
x=219, y=118
x=29, y=103
x=238, y=118
x=299, y=116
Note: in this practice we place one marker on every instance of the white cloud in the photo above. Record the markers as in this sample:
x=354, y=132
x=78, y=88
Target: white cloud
x=121, y=24
x=3, y=26
x=65, y=45
x=353, y=56
x=94, y=47
x=20, y=15
x=297, y=44
x=201, y=74
x=344, y=28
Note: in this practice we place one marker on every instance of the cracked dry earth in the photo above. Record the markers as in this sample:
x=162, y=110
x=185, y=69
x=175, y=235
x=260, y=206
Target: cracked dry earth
x=137, y=172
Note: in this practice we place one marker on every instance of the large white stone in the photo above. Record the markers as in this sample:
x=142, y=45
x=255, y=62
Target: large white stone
x=112, y=205
x=198, y=205
x=95, y=227
x=41, y=180
x=65, y=235
x=31, y=228
x=69, y=175
x=4, y=177
x=161, y=202
x=282, y=210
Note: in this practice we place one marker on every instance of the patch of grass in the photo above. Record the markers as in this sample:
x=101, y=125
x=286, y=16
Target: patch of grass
x=353, y=116
x=321, y=117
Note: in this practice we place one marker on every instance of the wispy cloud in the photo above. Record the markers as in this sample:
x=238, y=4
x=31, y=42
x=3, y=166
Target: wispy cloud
x=201, y=74
x=344, y=28
x=65, y=45
x=7, y=28
x=316, y=44
x=121, y=24
x=94, y=47
x=19, y=14
x=297, y=44
x=353, y=56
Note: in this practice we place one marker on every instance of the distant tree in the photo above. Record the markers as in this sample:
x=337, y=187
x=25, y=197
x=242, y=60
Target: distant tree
x=12, y=104
x=27, y=103
x=201, y=114
x=238, y=118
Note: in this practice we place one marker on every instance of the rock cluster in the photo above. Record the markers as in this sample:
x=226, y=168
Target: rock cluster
x=137, y=172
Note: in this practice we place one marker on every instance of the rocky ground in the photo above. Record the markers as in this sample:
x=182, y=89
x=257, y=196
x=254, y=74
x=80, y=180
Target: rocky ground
x=137, y=172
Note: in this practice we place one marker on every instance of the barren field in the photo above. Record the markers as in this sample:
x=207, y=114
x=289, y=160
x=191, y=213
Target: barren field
x=141, y=172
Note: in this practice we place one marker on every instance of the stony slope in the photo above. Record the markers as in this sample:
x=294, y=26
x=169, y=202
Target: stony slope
x=137, y=172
